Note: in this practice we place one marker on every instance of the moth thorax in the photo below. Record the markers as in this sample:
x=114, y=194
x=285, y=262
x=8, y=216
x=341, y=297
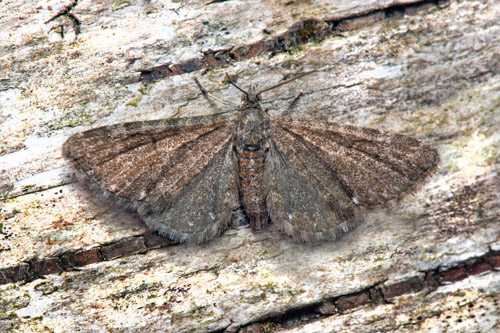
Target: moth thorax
x=251, y=130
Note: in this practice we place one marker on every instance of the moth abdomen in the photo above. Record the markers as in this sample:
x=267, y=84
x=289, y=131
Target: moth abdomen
x=252, y=187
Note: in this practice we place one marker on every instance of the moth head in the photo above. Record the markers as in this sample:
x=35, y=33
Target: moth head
x=251, y=96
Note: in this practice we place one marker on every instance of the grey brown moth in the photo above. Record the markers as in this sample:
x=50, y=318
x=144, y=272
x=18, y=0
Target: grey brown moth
x=314, y=179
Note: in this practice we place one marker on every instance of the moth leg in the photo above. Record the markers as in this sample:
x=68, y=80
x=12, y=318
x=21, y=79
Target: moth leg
x=209, y=95
x=294, y=102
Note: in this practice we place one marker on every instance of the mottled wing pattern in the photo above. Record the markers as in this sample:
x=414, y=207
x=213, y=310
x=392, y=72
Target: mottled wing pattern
x=323, y=175
x=180, y=175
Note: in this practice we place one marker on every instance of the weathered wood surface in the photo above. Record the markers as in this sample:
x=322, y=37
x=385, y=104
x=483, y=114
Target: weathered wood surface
x=425, y=69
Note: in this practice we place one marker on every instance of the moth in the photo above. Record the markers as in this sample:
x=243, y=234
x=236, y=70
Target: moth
x=185, y=177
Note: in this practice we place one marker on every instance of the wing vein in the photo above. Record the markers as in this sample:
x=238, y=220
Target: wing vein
x=333, y=172
x=151, y=185
x=371, y=156
x=139, y=145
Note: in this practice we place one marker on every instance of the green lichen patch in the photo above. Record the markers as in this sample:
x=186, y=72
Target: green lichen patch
x=46, y=288
x=119, y=4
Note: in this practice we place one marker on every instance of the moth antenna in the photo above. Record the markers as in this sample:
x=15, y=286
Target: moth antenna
x=209, y=95
x=284, y=82
x=235, y=85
